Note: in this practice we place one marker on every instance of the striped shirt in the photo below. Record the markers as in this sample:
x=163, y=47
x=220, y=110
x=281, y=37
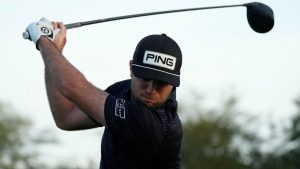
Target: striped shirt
x=139, y=137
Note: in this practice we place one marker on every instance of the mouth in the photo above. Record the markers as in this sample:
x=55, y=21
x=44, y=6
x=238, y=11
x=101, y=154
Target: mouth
x=147, y=101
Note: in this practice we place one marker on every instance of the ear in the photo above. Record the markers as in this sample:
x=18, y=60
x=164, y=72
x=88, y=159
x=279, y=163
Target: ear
x=130, y=66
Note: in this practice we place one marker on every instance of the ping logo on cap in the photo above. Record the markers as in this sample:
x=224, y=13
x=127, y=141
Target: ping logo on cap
x=159, y=59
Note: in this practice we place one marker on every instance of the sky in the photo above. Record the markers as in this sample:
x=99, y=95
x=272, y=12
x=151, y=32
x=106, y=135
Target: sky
x=222, y=56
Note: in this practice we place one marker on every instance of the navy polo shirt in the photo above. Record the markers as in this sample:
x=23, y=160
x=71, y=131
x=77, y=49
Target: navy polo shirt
x=139, y=137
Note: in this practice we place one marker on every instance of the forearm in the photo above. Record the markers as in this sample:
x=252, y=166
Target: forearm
x=67, y=88
x=66, y=114
x=74, y=102
x=59, y=105
x=57, y=67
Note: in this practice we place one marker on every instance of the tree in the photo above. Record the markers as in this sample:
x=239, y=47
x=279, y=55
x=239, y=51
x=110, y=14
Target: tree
x=288, y=153
x=293, y=155
x=213, y=139
x=13, y=137
x=14, y=140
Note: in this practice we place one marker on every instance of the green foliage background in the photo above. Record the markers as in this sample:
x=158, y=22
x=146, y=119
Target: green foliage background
x=214, y=138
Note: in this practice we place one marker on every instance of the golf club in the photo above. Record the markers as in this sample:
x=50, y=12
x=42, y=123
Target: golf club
x=260, y=17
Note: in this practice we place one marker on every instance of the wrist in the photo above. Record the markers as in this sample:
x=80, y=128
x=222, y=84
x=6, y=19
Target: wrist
x=42, y=40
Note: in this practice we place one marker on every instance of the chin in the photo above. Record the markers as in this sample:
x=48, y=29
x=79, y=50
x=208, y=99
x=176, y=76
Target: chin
x=153, y=105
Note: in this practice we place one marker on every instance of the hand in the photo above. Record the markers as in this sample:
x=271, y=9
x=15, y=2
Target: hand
x=60, y=37
x=42, y=27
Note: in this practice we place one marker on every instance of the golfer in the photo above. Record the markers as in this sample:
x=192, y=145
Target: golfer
x=142, y=127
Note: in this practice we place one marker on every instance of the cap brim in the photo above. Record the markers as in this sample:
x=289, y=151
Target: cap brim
x=150, y=73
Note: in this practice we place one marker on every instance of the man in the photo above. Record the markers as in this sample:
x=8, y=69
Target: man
x=142, y=127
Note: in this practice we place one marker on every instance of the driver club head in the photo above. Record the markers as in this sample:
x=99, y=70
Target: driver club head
x=260, y=17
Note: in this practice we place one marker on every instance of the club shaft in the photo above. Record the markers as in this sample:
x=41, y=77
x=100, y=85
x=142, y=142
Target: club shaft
x=80, y=24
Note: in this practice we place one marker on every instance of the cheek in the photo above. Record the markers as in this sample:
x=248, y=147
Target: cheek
x=164, y=94
x=135, y=89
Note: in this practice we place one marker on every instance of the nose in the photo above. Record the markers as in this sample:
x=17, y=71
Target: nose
x=150, y=87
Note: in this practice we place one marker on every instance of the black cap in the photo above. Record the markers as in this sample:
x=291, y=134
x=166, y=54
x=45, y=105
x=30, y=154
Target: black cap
x=158, y=57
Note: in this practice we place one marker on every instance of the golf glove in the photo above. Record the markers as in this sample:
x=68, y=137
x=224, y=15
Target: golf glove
x=36, y=29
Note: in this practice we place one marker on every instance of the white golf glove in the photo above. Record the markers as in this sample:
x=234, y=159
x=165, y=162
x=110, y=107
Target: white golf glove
x=36, y=29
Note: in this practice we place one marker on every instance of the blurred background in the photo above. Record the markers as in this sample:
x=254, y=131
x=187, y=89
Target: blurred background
x=239, y=95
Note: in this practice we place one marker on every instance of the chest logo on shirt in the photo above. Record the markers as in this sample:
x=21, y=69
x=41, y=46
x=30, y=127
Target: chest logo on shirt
x=120, y=108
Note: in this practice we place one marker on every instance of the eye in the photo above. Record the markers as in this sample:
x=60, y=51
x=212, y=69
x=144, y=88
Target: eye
x=146, y=79
x=161, y=83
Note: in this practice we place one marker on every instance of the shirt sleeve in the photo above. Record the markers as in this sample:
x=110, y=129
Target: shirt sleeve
x=134, y=123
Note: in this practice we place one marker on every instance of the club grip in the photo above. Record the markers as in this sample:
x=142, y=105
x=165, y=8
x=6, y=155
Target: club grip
x=73, y=25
